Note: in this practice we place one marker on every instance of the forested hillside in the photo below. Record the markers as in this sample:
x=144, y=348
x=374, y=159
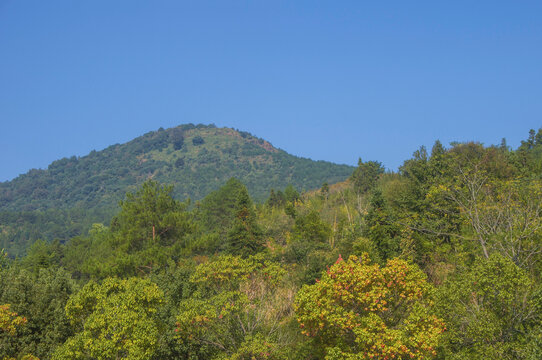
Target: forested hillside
x=72, y=193
x=441, y=260
x=196, y=158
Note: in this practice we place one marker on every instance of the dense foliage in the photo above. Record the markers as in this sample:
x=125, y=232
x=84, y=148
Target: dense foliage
x=115, y=320
x=441, y=260
x=360, y=310
x=65, y=199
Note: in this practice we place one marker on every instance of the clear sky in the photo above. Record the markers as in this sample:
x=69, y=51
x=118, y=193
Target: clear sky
x=330, y=80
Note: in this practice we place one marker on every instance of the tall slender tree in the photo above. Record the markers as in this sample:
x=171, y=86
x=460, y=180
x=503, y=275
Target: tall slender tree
x=245, y=236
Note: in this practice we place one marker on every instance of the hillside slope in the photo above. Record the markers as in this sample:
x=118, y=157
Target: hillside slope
x=196, y=159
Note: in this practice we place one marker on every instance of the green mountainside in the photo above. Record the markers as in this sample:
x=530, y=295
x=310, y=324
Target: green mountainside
x=72, y=193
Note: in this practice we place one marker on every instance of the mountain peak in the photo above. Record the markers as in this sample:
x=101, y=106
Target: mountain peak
x=196, y=159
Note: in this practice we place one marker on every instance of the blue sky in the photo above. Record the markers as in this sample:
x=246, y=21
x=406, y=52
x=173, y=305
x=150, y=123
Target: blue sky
x=321, y=79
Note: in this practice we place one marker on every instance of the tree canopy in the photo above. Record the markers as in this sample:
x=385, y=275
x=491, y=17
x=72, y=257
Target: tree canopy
x=440, y=260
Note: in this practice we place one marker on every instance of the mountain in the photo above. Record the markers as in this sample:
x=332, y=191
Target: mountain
x=196, y=159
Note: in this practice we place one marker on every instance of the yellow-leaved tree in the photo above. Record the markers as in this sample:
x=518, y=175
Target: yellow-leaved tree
x=359, y=310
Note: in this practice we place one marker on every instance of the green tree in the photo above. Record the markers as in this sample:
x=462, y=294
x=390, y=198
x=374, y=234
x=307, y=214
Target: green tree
x=276, y=199
x=9, y=322
x=42, y=255
x=366, y=175
x=4, y=261
x=310, y=227
x=76, y=252
x=239, y=307
x=245, y=236
x=150, y=216
x=324, y=190
x=217, y=210
x=115, y=320
x=179, y=163
x=491, y=311
x=40, y=298
x=177, y=138
x=381, y=228
x=258, y=348
x=417, y=172
x=174, y=280
x=499, y=215
x=197, y=140
x=150, y=228
x=291, y=194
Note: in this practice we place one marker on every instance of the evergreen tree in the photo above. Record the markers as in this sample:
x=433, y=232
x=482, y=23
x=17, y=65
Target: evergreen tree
x=177, y=137
x=245, y=236
x=310, y=227
x=325, y=190
x=538, y=137
x=291, y=194
x=40, y=297
x=366, y=175
x=151, y=215
x=276, y=199
x=217, y=210
x=381, y=228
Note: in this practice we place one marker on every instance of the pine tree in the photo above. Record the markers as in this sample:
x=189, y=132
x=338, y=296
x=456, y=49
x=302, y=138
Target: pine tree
x=366, y=175
x=245, y=236
x=381, y=228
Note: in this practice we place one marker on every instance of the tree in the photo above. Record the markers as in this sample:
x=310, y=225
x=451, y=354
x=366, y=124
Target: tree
x=39, y=297
x=417, y=172
x=217, y=210
x=502, y=215
x=311, y=228
x=9, y=320
x=239, y=307
x=116, y=320
x=324, y=191
x=436, y=162
x=503, y=145
x=42, y=255
x=4, y=261
x=366, y=175
x=529, y=153
x=150, y=228
x=491, y=310
x=359, y=310
x=538, y=137
x=245, y=236
x=173, y=279
x=276, y=199
x=291, y=194
x=198, y=140
x=179, y=163
x=150, y=215
x=258, y=348
x=177, y=138
x=381, y=228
